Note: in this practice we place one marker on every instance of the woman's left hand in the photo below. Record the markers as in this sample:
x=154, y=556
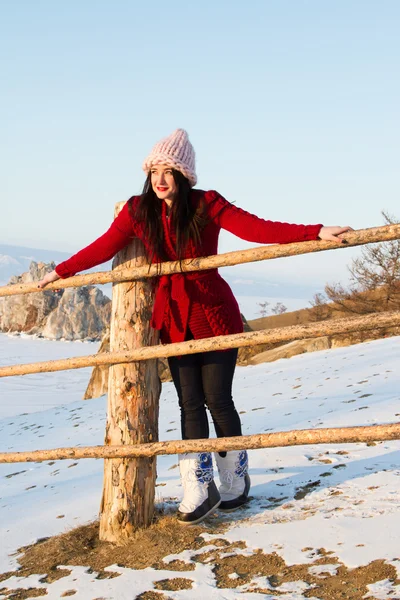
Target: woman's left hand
x=333, y=234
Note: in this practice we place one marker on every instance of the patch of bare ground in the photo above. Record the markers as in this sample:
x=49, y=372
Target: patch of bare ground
x=351, y=584
x=51, y=575
x=175, y=565
x=174, y=584
x=82, y=547
x=21, y=594
x=151, y=596
x=54, y=574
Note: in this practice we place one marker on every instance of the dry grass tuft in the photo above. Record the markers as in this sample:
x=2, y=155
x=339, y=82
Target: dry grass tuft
x=21, y=594
x=171, y=585
x=151, y=596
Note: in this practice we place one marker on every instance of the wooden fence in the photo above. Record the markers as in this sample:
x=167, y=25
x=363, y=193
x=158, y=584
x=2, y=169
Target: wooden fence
x=131, y=440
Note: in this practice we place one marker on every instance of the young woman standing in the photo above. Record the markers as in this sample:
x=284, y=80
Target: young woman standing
x=176, y=221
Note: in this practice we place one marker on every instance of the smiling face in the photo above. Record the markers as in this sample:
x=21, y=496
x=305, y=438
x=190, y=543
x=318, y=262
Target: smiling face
x=163, y=183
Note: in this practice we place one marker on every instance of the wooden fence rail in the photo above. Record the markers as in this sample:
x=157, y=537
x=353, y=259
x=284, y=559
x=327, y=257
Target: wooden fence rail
x=300, y=437
x=237, y=340
x=353, y=238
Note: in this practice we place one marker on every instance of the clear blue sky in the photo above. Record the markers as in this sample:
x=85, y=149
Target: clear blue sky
x=292, y=106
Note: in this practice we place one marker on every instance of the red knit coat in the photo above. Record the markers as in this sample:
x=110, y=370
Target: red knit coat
x=201, y=300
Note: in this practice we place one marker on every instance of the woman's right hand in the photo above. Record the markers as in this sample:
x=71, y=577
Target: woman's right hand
x=48, y=278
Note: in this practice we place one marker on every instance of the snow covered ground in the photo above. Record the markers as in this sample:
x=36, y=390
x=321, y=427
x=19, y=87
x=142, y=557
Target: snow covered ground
x=342, y=498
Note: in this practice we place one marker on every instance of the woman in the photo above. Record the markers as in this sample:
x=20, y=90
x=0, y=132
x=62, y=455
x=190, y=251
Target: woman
x=176, y=221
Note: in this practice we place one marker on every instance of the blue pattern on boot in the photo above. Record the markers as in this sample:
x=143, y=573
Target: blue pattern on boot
x=242, y=464
x=205, y=471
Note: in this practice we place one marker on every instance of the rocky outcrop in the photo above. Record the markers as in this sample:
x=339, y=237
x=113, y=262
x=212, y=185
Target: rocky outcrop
x=82, y=313
x=28, y=313
x=70, y=314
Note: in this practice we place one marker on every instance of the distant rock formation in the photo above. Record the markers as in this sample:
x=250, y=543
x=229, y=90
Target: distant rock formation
x=70, y=314
x=81, y=313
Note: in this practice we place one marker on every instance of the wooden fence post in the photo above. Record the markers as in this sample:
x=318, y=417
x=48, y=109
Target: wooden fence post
x=133, y=401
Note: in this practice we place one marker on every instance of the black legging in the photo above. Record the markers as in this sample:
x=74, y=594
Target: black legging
x=206, y=379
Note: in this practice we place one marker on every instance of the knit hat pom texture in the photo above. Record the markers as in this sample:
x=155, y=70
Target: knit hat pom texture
x=175, y=151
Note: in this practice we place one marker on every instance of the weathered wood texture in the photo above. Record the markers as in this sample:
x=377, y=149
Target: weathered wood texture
x=238, y=340
x=301, y=437
x=353, y=238
x=133, y=399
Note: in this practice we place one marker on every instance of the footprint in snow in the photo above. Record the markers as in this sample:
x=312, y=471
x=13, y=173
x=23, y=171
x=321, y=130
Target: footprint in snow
x=14, y=474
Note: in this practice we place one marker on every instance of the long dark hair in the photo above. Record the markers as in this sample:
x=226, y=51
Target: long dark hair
x=187, y=216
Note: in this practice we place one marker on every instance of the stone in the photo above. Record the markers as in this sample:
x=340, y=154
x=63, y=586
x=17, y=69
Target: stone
x=82, y=313
x=28, y=312
x=71, y=314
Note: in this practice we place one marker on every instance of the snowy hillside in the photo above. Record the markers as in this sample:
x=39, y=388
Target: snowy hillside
x=319, y=517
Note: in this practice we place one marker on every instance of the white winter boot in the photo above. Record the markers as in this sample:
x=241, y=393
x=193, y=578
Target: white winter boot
x=234, y=478
x=201, y=496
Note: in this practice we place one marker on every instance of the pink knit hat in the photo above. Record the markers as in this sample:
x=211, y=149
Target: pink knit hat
x=177, y=152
